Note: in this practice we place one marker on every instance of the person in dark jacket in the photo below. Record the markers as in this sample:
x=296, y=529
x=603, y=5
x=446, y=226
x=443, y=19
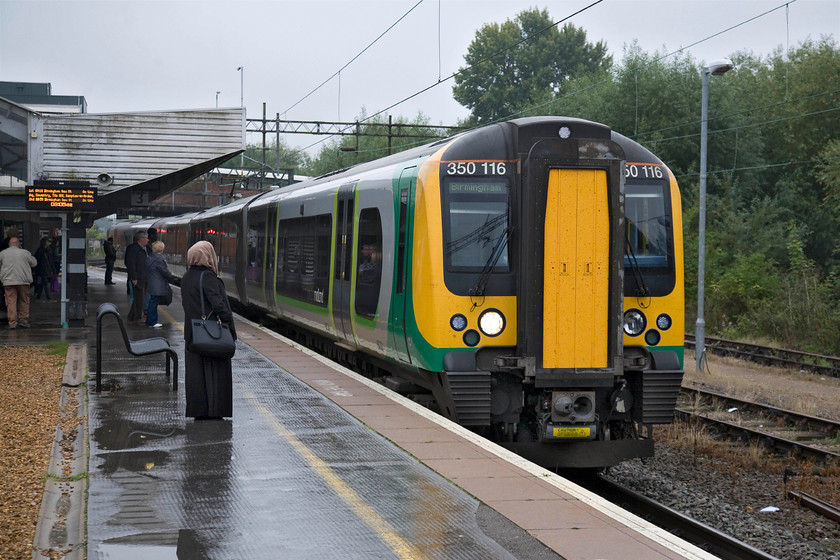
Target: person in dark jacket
x=157, y=284
x=44, y=269
x=209, y=381
x=135, y=264
x=110, y=259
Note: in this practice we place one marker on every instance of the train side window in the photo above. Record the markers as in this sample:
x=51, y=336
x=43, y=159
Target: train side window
x=369, y=259
x=303, y=259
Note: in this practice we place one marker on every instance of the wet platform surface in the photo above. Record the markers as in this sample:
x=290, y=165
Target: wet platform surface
x=315, y=463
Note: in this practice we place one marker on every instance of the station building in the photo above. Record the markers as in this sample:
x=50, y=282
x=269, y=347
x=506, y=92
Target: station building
x=61, y=168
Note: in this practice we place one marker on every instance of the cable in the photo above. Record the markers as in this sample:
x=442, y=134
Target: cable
x=354, y=58
x=451, y=76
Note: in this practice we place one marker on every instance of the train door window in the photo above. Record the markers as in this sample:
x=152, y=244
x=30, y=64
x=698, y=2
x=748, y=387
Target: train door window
x=648, y=226
x=282, y=256
x=369, y=259
x=476, y=236
x=256, y=247
x=344, y=239
x=322, y=259
x=401, y=241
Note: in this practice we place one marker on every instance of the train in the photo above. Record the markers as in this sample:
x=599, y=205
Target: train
x=524, y=279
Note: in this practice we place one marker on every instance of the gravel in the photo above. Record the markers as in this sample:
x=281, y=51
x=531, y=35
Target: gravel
x=31, y=382
x=726, y=485
x=713, y=491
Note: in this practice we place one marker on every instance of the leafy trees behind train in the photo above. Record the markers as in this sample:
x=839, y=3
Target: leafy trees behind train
x=522, y=62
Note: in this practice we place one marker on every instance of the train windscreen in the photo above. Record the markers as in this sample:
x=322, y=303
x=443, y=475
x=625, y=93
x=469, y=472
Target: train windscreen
x=648, y=226
x=477, y=225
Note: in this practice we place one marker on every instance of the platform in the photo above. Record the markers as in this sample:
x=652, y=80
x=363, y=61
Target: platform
x=317, y=462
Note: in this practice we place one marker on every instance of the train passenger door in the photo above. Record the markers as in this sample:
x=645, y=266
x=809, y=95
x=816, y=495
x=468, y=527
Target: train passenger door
x=398, y=339
x=270, y=258
x=343, y=264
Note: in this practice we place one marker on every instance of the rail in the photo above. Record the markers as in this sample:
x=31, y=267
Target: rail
x=720, y=544
x=770, y=356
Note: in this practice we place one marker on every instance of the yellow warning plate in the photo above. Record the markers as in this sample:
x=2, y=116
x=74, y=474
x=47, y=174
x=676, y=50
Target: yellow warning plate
x=572, y=432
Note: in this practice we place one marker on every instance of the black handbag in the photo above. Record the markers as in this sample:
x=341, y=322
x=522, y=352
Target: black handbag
x=210, y=338
x=167, y=299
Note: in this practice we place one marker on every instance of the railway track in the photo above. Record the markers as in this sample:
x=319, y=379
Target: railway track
x=777, y=429
x=770, y=356
x=720, y=544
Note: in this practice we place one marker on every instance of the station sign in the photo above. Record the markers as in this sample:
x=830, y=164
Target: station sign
x=61, y=195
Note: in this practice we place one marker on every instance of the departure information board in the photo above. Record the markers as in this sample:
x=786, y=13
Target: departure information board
x=60, y=195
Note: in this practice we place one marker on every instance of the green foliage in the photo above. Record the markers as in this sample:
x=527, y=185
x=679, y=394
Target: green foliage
x=828, y=174
x=277, y=157
x=521, y=63
x=372, y=143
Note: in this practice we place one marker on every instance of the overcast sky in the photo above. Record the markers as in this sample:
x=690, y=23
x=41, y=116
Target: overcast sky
x=160, y=55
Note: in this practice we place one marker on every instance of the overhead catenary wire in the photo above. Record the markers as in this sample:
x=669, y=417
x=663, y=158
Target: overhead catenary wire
x=577, y=92
x=462, y=70
x=338, y=72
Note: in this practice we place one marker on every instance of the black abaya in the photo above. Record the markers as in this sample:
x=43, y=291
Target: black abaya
x=209, y=386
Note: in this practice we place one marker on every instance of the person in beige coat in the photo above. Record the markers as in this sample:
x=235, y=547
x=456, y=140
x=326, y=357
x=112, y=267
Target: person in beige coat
x=16, y=275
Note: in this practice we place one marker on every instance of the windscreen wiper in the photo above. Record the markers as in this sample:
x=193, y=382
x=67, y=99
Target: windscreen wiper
x=641, y=287
x=481, y=231
x=490, y=265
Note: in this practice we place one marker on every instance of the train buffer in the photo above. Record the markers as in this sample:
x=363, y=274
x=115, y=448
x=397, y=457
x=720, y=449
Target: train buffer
x=144, y=347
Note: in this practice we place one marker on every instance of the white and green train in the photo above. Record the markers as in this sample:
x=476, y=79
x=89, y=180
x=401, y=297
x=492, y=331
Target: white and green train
x=527, y=276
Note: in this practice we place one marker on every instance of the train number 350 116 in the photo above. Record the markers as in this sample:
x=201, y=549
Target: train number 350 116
x=476, y=168
x=644, y=171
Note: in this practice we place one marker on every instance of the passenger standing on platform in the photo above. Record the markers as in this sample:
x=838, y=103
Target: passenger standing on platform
x=110, y=259
x=209, y=381
x=158, y=282
x=153, y=235
x=44, y=269
x=135, y=264
x=16, y=275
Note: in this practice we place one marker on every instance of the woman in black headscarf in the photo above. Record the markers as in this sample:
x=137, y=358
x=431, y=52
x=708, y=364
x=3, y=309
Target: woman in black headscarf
x=209, y=381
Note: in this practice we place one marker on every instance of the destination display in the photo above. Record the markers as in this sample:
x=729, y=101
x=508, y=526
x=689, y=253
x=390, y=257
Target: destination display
x=61, y=195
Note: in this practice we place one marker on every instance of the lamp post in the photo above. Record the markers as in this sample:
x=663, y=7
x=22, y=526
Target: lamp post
x=241, y=70
x=717, y=68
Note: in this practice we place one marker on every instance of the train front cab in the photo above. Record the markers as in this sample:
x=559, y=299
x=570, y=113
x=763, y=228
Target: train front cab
x=563, y=391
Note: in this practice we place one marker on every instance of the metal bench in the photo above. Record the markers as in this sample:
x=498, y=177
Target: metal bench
x=142, y=347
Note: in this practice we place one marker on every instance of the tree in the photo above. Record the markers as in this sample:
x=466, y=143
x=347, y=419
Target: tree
x=372, y=142
x=520, y=63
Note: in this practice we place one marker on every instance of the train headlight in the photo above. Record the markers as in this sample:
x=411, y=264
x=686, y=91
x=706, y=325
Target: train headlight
x=458, y=322
x=663, y=322
x=491, y=322
x=652, y=337
x=634, y=322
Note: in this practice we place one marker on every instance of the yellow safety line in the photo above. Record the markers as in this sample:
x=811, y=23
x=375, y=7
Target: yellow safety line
x=384, y=530
x=170, y=318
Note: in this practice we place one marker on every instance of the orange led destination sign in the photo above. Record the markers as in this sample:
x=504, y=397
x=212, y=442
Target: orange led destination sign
x=60, y=195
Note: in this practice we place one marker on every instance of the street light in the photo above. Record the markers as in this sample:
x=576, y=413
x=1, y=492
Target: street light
x=241, y=70
x=717, y=68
